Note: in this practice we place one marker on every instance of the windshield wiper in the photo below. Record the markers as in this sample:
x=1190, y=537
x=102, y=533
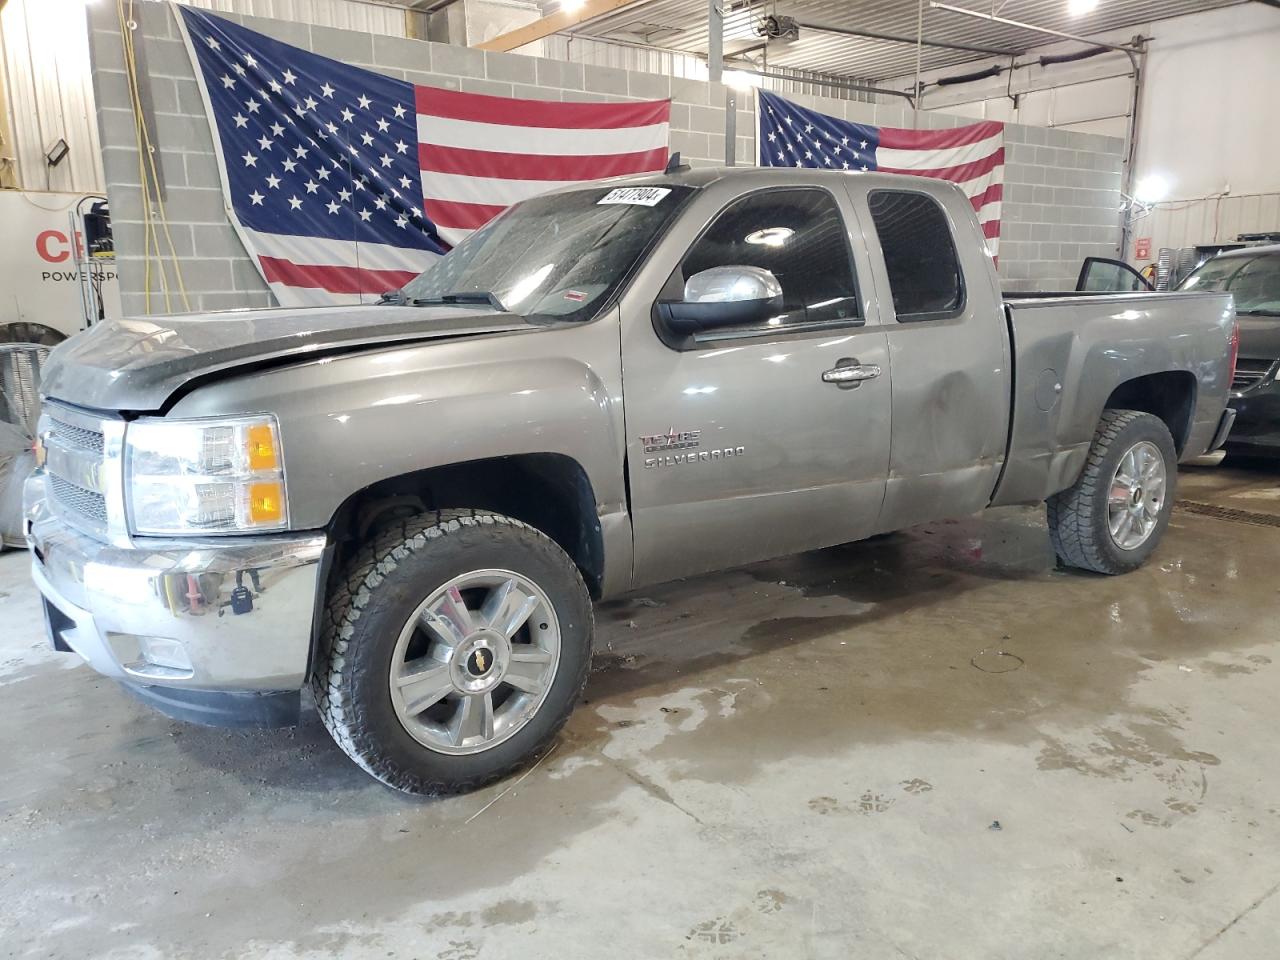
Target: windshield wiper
x=1258, y=313
x=485, y=297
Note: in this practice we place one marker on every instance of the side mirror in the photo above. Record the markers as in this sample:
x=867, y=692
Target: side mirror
x=724, y=297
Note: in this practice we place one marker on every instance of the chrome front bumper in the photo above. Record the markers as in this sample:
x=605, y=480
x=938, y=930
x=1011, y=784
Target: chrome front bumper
x=211, y=614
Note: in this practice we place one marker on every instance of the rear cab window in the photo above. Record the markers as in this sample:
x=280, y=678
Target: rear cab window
x=925, y=279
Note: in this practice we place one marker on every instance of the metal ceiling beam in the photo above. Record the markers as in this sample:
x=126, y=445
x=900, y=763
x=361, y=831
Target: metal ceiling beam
x=894, y=38
x=553, y=23
x=992, y=18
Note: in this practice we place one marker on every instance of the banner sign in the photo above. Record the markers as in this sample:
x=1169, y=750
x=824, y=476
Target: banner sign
x=39, y=277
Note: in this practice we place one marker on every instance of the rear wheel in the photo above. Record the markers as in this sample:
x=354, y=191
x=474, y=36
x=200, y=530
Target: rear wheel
x=1116, y=513
x=454, y=649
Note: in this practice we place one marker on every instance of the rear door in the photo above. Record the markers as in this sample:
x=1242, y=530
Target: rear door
x=738, y=449
x=948, y=350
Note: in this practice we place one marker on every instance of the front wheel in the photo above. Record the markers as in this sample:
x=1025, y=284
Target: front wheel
x=454, y=648
x=1116, y=513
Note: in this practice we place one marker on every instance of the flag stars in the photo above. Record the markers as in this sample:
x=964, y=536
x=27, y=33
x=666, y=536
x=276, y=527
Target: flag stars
x=264, y=143
x=381, y=203
x=273, y=181
x=383, y=126
x=323, y=173
x=277, y=130
x=365, y=215
x=344, y=195
x=312, y=186
x=863, y=145
x=310, y=103
x=327, y=91
x=401, y=146
x=295, y=203
x=364, y=102
x=241, y=121
x=405, y=182
x=257, y=198
x=332, y=207
x=250, y=160
x=249, y=59
x=399, y=111
x=347, y=115
x=401, y=222
x=213, y=43
x=290, y=165
x=239, y=69
x=228, y=82
x=275, y=86
x=299, y=109
x=385, y=160
x=366, y=139
x=291, y=78
x=300, y=152
x=252, y=105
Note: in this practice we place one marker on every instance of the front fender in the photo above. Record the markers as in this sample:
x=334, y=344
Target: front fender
x=350, y=421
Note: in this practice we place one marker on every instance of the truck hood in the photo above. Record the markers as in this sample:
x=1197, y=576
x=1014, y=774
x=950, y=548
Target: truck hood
x=1259, y=338
x=138, y=364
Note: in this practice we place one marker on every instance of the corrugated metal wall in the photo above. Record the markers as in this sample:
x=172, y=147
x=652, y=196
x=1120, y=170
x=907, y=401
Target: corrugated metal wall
x=44, y=52
x=45, y=49
x=1190, y=222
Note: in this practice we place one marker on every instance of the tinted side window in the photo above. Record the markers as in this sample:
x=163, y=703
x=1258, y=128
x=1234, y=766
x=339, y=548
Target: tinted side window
x=797, y=235
x=919, y=253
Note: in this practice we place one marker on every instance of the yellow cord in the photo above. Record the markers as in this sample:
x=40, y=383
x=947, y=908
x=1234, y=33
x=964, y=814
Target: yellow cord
x=149, y=176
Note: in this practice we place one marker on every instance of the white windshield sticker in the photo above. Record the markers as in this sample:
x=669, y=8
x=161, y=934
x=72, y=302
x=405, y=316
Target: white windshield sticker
x=636, y=196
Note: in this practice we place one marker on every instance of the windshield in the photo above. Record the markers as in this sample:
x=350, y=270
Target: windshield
x=559, y=256
x=1255, y=281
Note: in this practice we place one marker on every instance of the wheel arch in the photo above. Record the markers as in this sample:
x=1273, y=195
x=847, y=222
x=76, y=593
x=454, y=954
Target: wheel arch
x=1169, y=396
x=548, y=491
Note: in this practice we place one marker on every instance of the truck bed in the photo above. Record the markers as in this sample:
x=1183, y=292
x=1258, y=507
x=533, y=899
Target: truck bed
x=1073, y=351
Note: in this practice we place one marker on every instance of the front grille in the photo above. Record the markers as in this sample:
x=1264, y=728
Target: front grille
x=85, y=503
x=78, y=437
x=82, y=461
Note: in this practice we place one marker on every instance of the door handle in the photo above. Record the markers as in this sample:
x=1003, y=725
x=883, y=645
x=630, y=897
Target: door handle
x=852, y=374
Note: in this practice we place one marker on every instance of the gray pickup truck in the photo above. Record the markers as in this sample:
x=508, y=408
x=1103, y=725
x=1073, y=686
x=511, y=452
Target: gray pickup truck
x=410, y=506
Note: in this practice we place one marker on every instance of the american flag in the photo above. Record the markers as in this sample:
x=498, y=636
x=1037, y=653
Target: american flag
x=971, y=156
x=344, y=183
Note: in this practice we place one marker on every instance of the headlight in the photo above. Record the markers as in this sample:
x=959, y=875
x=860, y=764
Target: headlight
x=205, y=476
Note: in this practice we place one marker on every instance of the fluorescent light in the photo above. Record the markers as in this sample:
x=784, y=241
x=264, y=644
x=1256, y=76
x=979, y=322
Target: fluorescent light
x=1078, y=8
x=1151, y=189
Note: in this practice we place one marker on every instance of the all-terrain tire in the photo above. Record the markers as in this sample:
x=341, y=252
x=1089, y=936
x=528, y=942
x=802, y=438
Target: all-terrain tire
x=372, y=599
x=1078, y=515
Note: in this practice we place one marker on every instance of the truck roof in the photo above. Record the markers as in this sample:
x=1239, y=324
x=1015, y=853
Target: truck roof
x=768, y=176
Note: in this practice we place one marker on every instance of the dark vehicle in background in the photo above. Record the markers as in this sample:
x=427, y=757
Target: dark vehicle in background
x=1252, y=275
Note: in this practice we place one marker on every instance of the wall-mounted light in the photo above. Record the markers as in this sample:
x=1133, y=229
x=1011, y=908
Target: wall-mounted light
x=57, y=153
x=741, y=79
x=1151, y=189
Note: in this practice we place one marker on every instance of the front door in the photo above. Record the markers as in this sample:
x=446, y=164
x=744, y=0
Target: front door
x=738, y=447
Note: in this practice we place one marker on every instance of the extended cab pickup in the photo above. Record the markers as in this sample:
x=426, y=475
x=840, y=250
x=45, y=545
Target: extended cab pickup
x=410, y=506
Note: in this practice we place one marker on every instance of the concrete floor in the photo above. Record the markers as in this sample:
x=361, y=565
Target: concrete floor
x=933, y=745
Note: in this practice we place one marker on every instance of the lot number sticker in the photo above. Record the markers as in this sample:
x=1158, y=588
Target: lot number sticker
x=635, y=196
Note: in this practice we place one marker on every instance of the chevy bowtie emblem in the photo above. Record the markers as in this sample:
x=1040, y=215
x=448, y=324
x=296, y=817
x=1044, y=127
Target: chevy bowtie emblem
x=479, y=662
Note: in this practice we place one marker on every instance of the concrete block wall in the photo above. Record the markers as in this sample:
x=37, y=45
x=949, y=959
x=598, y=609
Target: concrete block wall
x=1060, y=198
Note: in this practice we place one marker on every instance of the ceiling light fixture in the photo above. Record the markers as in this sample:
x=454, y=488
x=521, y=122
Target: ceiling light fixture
x=1078, y=8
